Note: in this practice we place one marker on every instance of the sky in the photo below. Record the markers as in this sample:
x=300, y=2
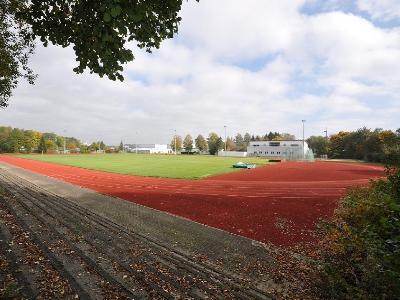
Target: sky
x=252, y=66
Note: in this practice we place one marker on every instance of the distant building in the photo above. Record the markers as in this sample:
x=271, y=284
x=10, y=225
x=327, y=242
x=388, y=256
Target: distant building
x=232, y=153
x=148, y=148
x=283, y=150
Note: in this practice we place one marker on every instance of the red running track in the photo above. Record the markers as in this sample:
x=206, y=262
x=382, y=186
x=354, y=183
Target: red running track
x=278, y=203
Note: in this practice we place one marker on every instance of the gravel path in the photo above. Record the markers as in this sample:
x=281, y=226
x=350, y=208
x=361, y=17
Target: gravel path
x=91, y=257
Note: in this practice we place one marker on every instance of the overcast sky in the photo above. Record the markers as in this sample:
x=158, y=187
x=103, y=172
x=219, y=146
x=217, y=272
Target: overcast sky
x=252, y=65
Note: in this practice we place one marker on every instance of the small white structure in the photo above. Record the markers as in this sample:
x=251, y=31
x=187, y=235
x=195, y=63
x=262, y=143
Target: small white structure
x=280, y=150
x=148, y=148
x=232, y=153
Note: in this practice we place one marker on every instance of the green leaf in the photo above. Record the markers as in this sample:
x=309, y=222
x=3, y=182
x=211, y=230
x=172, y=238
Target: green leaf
x=107, y=17
x=116, y=11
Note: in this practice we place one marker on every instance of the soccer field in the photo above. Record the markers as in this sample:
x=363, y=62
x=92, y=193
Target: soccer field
x=167, y=166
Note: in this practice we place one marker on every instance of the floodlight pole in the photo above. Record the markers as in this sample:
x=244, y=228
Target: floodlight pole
x=326, y=138
x=304, y=155
x=136, y=142
x=175, y=140
x=64, y=142
x=225, y=137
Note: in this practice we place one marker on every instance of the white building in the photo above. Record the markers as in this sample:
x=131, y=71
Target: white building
x=148, y=148
x=232, y=153
x=282, y=150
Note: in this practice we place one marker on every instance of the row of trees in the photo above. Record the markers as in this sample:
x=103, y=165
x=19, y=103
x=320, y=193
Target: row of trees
x=13, y=140
x=363, y=144
x=187, y=144
x=214, y=142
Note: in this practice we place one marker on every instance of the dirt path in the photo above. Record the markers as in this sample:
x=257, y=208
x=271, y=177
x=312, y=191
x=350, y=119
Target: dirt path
x=89, y=256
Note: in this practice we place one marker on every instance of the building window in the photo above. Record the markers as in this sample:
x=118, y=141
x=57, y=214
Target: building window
x=275, y=144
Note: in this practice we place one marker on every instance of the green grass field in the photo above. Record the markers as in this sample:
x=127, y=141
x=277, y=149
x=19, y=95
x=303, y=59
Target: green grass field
x=168, y=166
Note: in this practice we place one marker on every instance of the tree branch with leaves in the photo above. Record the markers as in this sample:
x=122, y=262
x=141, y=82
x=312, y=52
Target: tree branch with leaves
x=100, y=33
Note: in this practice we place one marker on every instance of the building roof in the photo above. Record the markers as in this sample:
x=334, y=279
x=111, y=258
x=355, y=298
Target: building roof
x=277, y=141
x=143, y=146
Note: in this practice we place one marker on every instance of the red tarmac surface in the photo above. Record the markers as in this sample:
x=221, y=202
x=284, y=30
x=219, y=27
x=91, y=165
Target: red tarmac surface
x=277, y=203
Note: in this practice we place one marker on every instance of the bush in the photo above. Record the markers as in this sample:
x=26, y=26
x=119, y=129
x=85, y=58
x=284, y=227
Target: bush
x=360, y=247
x=375, y=157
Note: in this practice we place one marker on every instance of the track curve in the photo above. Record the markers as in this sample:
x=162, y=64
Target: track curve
x=278, y=203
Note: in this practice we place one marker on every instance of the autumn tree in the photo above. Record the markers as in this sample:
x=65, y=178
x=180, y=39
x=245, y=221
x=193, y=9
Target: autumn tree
x=188, y=143
x=50, y=145
x=84, y=148
x=176, y=140
x=239, y=142
x=356, y=143
x=42, y=148
x=60, y=140
x=73, y=140
x=284, y=137
x=318, y=144
x=271, y=136
x=215, y=143
x=50, y=136
x=337, y=144
x=16, y=45
x=71, y=147
x=201, y=143
x=94, y=146
x=5, y=133
x=390, y=141
x=246, y=139
x=230, y=144
x=17, y=140
x=31, y=140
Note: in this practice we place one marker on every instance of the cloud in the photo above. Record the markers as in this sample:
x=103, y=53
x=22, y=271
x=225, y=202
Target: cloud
x=234, y=30
x=333, y=68
x=380, y=9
